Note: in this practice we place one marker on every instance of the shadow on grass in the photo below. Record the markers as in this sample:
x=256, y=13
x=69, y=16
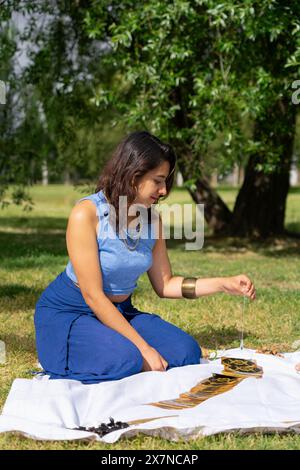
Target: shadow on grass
x=271, y=247
x=293, y=227
x=14, y=290
x=38, y=223
x=214, y=338
x=35, y=249
x=18, y=343
x=16, y=296
x=47, y=237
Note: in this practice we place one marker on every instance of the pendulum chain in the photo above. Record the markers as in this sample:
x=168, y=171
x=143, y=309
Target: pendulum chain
x=242, y=322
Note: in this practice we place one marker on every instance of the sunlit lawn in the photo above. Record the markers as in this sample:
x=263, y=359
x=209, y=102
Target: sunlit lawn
x=33, y=252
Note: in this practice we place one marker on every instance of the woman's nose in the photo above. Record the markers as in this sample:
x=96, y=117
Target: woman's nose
x=163, y=190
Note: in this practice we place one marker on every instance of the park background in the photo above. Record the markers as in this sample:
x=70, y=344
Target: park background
x=218, y=80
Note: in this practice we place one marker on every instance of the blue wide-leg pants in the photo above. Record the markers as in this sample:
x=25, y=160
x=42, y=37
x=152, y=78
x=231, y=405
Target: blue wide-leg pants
x=72, y=343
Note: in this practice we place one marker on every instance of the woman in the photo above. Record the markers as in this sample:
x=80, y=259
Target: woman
x=86, y=326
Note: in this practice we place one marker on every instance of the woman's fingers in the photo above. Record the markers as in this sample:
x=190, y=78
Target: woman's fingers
x=251, y=292
x=164, y=363
x=154, y=361
x=246, y=287
x=244, y=283
x=245, y=280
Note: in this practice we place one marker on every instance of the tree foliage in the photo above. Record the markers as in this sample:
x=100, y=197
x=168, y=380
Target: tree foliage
x=205, y=75
x=209, y=62
x=50, y=118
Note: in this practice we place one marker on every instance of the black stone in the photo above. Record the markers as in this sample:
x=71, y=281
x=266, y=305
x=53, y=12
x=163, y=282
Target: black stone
x=104, y=428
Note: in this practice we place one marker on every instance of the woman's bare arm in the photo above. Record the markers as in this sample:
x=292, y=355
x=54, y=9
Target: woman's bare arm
x=168, y=286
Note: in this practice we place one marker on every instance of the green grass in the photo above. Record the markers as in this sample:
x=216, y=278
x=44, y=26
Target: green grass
x=33, y=252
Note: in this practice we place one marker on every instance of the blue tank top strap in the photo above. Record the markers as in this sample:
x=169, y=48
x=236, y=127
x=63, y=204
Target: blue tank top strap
x=103, y=204
x=100, y=201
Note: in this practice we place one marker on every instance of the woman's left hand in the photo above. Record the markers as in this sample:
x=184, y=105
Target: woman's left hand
x=239, y=285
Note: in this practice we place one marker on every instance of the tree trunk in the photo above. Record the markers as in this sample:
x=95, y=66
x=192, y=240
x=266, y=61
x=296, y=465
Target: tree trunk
x=216, y=213
x=214, y=179
x=67, y=176
x=45, y=173
x=260, y=206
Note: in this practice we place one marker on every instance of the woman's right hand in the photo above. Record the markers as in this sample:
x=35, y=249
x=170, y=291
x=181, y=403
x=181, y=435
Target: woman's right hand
x=239, y=285
x=153, y=360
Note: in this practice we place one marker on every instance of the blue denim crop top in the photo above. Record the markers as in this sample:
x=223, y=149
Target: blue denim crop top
x=120, y=267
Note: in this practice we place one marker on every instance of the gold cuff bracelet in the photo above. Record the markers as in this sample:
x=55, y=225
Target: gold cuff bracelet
x=188, y=287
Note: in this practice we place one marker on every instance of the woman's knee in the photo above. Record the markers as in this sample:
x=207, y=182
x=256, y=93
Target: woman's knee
x=174, y=344
x=194, y=349
x=130, y=359
x=186, y=352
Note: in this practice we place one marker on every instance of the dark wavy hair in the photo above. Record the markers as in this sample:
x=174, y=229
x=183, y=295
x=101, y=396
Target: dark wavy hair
x=136, y=154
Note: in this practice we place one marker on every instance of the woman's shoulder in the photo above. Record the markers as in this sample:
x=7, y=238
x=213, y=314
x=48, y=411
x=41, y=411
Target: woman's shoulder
x=95, y=198
x=82, y=220
x=83, y=211
x=89, y=203
x=89, y=210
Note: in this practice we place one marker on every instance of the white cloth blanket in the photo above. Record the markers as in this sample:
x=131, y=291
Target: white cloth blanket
x=45, y=409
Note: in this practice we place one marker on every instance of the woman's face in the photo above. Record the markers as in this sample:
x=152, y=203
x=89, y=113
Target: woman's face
x=152, y=185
